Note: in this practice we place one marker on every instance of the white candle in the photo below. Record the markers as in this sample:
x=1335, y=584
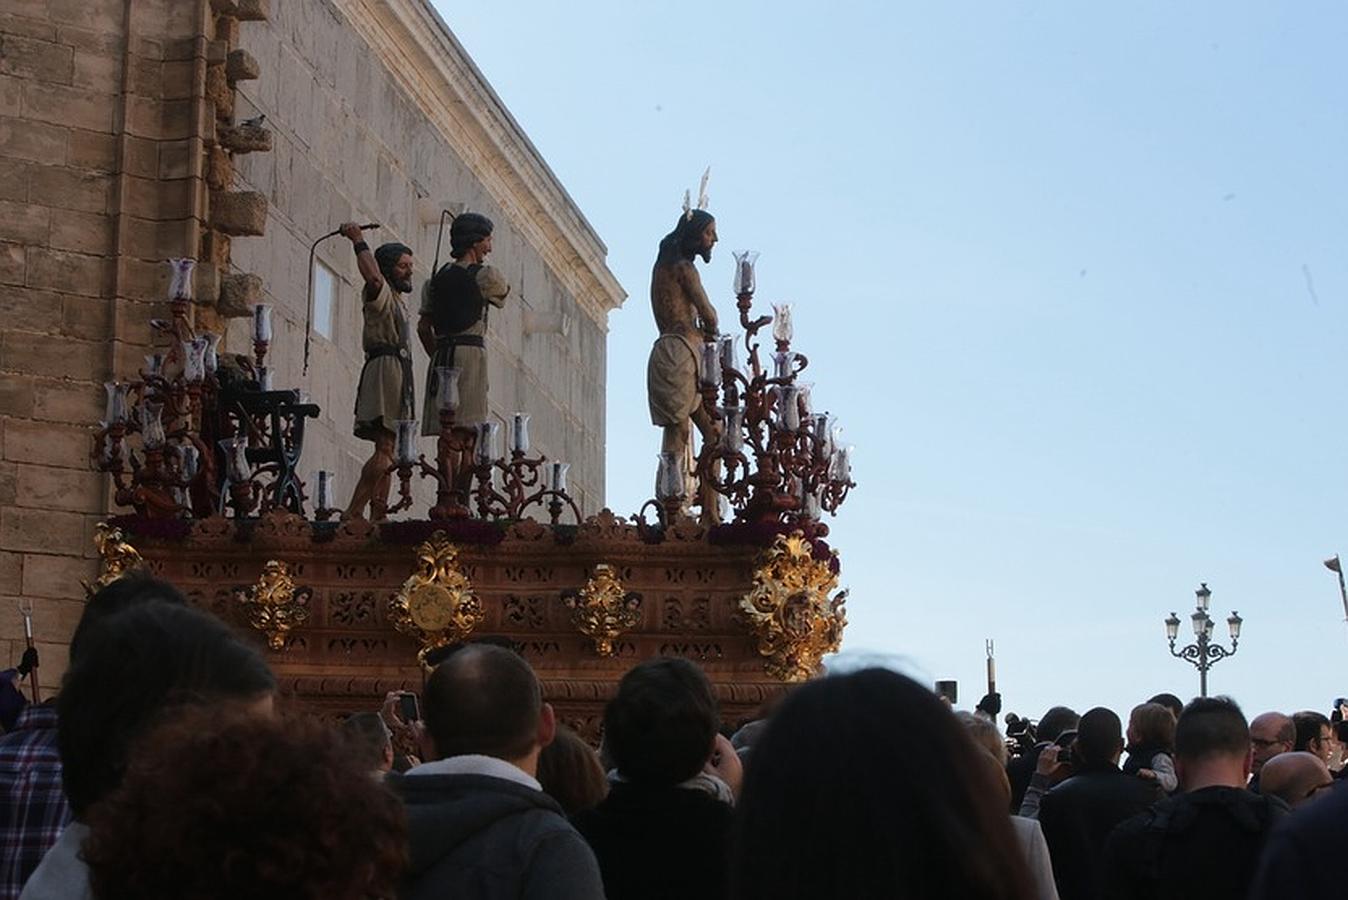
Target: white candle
x=262, y=323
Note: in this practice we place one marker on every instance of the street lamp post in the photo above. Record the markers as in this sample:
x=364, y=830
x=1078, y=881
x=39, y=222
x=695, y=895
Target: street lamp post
x=1202, y=653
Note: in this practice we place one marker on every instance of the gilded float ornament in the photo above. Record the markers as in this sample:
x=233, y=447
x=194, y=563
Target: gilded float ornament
x=789, y=610
x=604, y=609
x=274, y=606
x=119, y=557
x=436, y=605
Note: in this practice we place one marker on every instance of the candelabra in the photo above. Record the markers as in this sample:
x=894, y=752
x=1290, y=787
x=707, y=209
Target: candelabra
x=469, y=471
x=1202, y=654
x=198, y=416
x=773, y=457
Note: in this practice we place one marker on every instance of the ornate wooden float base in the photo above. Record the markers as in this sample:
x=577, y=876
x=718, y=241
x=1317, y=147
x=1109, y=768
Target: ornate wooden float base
x=345, y=608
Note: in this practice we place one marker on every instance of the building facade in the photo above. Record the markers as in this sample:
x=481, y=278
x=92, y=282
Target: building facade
x=121, y=146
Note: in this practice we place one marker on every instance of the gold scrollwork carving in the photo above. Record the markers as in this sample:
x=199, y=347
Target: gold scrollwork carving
x=789, y=610
x=436, y=605
x=274, y=606
x=604, y=609
x=119, y=557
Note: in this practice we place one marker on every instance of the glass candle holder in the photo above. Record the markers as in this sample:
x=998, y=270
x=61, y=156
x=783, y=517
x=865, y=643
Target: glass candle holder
x=264, y=378
x=804, y=399
x=154, y=365
x=327, y=486
x=732, y=428
x=835, y=438
x=781, y=323
x=189, y=460
x=708, y=369
x=782, y=364
x=407, y=440
x=729, y=360
x=821, y=426
x=211, y=358
x=262, y=323
x=810, y=506
x=180, y=278
x=236, y=459
x=447, y=388
x=152, y=425
x=669, y=477
x=194, y=360
x=485, y=449
x=519, y=433
x=558, y=476
x=115, y=408
x=790, y=408
x=744, y=271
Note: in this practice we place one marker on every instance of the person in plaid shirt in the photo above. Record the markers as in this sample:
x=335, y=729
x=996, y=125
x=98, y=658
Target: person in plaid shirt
x=33, y=807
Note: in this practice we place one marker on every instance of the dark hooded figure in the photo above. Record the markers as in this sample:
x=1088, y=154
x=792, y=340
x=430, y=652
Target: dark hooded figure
x=386, y=393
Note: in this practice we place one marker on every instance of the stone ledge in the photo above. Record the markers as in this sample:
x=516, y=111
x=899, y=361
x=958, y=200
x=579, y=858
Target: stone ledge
x=253, y=10
x=239, y=294
x=241, y=65
x=244, y=138
x=239, y=212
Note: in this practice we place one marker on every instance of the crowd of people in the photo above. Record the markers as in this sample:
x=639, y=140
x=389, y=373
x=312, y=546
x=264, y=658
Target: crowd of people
x=166, y=768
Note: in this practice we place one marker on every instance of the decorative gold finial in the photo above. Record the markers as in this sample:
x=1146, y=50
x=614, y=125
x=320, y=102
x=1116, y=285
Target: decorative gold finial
x=436, y=604
x=604, y=609
x=119, y=557
x=273, y=605
x=790, y=612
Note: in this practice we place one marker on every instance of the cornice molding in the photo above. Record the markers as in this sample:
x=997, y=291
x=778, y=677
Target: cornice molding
x=424, y=57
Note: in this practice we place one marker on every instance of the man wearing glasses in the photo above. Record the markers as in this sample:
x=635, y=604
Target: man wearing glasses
x=1271, y=733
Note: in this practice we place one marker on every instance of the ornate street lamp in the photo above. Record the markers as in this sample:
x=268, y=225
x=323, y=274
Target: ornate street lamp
x=1203, y=653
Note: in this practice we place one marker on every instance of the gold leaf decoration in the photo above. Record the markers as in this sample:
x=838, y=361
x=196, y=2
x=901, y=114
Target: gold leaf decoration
x=436, y=605
x=604, y=609
x=119, y=557
x=274, y=606
x=789, y=610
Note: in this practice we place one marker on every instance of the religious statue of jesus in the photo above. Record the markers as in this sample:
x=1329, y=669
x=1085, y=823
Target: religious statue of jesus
x=685, y=318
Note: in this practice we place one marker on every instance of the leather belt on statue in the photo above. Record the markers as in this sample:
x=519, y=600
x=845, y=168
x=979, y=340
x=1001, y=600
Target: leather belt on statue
x=385, y=350
x=459, y=340
x=445, y=345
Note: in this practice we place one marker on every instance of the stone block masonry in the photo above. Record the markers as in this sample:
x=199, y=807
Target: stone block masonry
x=103, y=133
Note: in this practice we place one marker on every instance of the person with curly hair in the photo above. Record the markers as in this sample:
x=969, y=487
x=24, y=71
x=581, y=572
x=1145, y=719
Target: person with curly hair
x=245, y=806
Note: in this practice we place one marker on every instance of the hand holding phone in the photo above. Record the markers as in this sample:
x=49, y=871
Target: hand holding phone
x=408, y=707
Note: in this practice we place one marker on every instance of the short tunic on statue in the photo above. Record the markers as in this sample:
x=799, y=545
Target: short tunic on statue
x=671, y=380
x=386, y=392
x=460, y=287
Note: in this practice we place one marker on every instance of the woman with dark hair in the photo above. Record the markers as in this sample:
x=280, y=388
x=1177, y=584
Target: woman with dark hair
x=135, y=669
x=865, y=785
x=663, y=830
x=246, y=807
x=570, y=772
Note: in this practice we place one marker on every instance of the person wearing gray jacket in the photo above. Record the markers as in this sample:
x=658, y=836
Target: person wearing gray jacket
x=480, y=826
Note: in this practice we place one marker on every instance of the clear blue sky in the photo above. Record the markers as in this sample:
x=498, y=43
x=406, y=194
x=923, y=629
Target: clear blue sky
x=1074, y=277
